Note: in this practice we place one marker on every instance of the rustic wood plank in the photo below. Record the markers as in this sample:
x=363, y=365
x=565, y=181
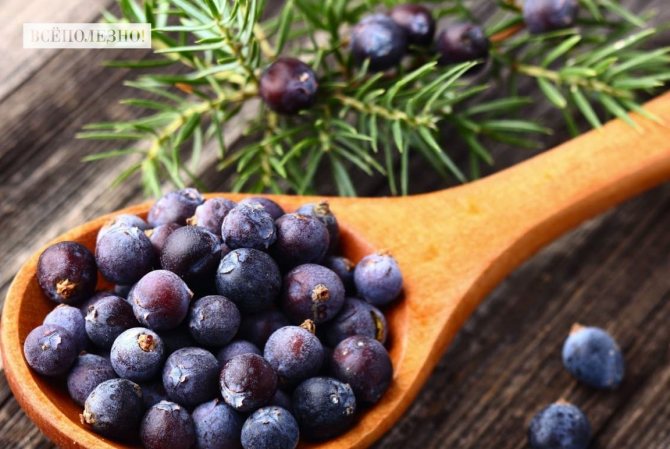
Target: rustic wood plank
x=505, y=364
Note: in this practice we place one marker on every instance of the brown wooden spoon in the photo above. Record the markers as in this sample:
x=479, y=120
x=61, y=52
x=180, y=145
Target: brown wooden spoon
x=453, y=247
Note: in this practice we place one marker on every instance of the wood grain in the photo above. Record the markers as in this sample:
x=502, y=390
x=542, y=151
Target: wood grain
x=504, y=364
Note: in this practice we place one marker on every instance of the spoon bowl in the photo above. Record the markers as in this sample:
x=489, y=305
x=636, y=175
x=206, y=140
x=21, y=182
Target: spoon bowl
x=453, y=247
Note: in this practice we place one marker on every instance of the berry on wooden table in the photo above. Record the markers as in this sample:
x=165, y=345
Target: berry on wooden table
x=559, y=426
x=592, y=356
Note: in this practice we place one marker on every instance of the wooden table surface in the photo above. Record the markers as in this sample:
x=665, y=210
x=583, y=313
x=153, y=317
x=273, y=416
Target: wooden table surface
x=613, y=271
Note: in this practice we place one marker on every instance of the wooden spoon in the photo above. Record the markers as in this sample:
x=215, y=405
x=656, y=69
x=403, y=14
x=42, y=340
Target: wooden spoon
x=453, y=247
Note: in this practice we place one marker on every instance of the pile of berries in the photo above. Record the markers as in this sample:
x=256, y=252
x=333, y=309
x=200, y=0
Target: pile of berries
x=592, y=356
x=288, y=85
x=231, y=325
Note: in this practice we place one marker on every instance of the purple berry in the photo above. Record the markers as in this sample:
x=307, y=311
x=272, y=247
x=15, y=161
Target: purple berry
x=344, y=268
x=364, y=364
x=245, y=392
x=248, y=226
x=258, y=328
x=124, y=254
x=114, y=409
x=167, y=426
x=288, y=86
x=190, y=376
x=378, y=279
x=380, y=40
x=312, y=292
x=175, y=207
x=88, y=372
x=107, y=318
x=272, y=208
x=560, y=426
x=159, y=235
x=210, y=214
x=160, y=300
x=123, y=220
x=462, y=42
x=270, y=428
x=50, y=350
x=549, y=15
x=153, y=393
x=70, y=319
x=67, y=273
x=322, y=212
x=300, y=239
x=250, y=278
x=235, y=348
x=217, y=426
x=294, y=353
x=417, y=21
x=356, y=318
x=192, y=253
x=137, y=354
x=213, y=320
x=324, y=407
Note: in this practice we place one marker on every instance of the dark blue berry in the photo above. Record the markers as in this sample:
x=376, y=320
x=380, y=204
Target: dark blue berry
x=70, y=319
x=344, y=268
x=88, y=372
x=190, y=376
x=210, y=214
x=363, y=363
x=593, y=357
x=213, y=320
x=235, y=348
x=175, y=207
x=192, y=253
x=114, y=409
x=124, y=254
x=322, y=212
x=245, y=392
x=50, y=350
x=257, y=328
x=167, y=426
x=250, y=278
x=67, y=273
x=462, y=42
x=324, y=407
x=549, y=15
x=217, y=426
x=270, y=428
x=153, y=392
x=159, y=235
x=294, y=353
x=160, y=300
x=380, y=40
x=378, y=279
x=107, y=318
x=123, y=220
x=288, y=86
x=417, y=21
x=312, y=292
x=300, y=239
x=137, y=354
x=356, y=318
x=559, y=426
x=248, y=226
x=272, y=208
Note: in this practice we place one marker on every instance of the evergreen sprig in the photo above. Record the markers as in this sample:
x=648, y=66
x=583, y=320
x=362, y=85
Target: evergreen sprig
x=361, y=120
